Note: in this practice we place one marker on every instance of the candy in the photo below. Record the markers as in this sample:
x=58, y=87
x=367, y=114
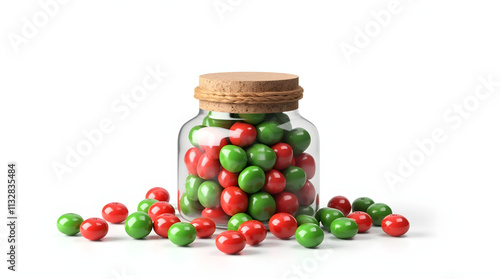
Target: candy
x=94, y=228
x=189, y=207
x=282, y=225
x=163, y=222
x=191, y=160
x=306, y=194
x=138, y=225
x=218, y=119
x=306, y=162
x=239, y=218
x=209, y=194
x=361, y=204
x=363, y=220
x=114, y=212
x=281, y=118
x=284, y=155
x=233, y=158
x=230, y=242
x=211, y=141
x=269, y=132
x=158, y=193
x=227, y=178
x=395, y=225
x=378, y=211
x=216, y=214
x=242, y=134
x=318, y=213
x=254, y=231
x=182, y=234
x=233, y=200
x=344, y=228
x=252, y=118
x=299, y=139
x=309, y=235
x=192, y=185
x=305, y=210
x=160, y=208
x=193, y=137
x=341, y=203
x=329, y=215
x=286, y=202
x=275, y=182
x=207, y=168
x=69, y=223
x=252, y=179
x=145, y=204
x=306, y=219
x=295, y=178
x=204, y=227
x=261, y=206
x=262, y=156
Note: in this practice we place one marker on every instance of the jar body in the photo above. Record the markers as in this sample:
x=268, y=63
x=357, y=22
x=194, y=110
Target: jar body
x=257, y=164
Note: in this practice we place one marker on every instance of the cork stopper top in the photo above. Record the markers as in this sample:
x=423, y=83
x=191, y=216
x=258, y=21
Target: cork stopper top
x=248, y=92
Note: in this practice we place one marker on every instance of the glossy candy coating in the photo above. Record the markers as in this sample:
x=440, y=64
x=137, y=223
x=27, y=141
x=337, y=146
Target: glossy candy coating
x=299, y=139
x=162, y=224
x=192, y=185
x=261, y=206
x=363, y=220
x=329, y=215
x=305, y=210
x=295, y=178
x=395, y=225
x=252, y=118
x=218, y=119
x=269, y=132
x=251, y=179
x=145, y=204
x=262, y=156
x=361, y=204
x=306, y=162
x=286, y=202
x=204, y=227
x=309, y=235
x=317, y=215
x=94, y=228
x=282, y=118
x=211, y=141
x=233, y=158
x=216, y=214
x=189, y=207
x=182, y=234
x=138, y=225
x=282, y=225
x=209, y=194
x=193, y=138
x=158, y=193
x=114, y=212
x=191, y=159
x=254, y=231
x=344, y=228
x=284, y=155
x=275, y=182
x=239, y=218
x=227, y=178
x=69, y=223
x=233, y=200
x=306, y=194
x=207, y=168
x=160, y=208
x=242, y=134
x=306, y=219
x=378, y=211
x=341, y=203
x=230, y=242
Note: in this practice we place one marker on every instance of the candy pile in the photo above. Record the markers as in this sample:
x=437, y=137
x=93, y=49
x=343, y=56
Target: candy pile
x=155, y=212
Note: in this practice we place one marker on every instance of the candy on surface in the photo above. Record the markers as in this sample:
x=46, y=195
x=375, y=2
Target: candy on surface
x=361, y=204
x=145, y=204
x=182, y=233
x=286, y=202
x=344, y=228
x=205, y=227
x=378, y=211
x=207, y=168
x=114, y=212
x=261, y=155
x=306, y=162
x=252, y=118
x=216, y=214
x=341, y=203
x=138, y=225
x=275, y=182
x=269, y=132
x=251, y=179
x=94, y=228
x=192, y=185
x=160, y=208
x=233, y=200
x=309, y=235
x=69, y=223
x=163, y=222
x=295, y=178
x=306, y=194
x=209, y=194
x=233, y=158
x=242, y=134
x=158, y=193
x=299, y=139
x=239, y=218
x=363, y=220
x=230, y=242
x=227, y=178
x=254, y=231
x=261, y=206
x=284, y=156
x=328, y=215
x=189, y=207
x=282, y=225
x=191, y=159
x=306, y=219
x=395, y=225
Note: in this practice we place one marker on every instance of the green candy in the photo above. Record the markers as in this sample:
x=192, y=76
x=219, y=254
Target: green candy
x=209, y=194
x=328, y=215
x=318, y=213
x=252, y=179
x=252, y=118
x=192, y=185
x=218, y=119
x=309, y=235
x=282, y=118
x=182, y=233
x=361, y=204
x=305, y=210
x=236, y=220
x=269, y=132
x=233, y=158
x=306, y=219
x=145, y=204
x=190, y=207
x=262, y=156
x=378, y=211
x=261, y=206
x=344, y=228
x=69, y=223
x=299, y=139
x=193, y=138
x=295, y=178
x=138, y=225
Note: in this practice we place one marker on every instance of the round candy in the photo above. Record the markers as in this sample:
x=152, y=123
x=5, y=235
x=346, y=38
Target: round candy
x=158, y=193
x=305, y=210
x=233, y=200
x=262, y=156
x=282, y=225
x=189, y=207
x=252, y=118
x=252, y=179
x=395, y=225
x=211, y=141
x=306, y=194
x=94, y=228
x=284, y=155
x=341, y=203
x=160, y=208
x=163, y=222
x=299, y=139
x=306, y=162
x=193, y=137
x=269, y=132
x=114, y=212
x=138, y=225
x=230, y=242
x=363, y=220
x=361, y=204
x=191, y=160
x=69, y=223
x=208, y=168
x=295, y=178
x=344, y=228
x=275, y=182
x=209, y=194
x=233, y=158
x=318, y=213
x=227, y=178
x=204, y=227
x=281, y=118
x=192, y=185
x=378, y=211
x=182, y=234
x=145, y=204
x=306, y=219
x=329, y=215
x=216, y=214
x=242, y=134
x=309, y=235
x=254, y=231
x=239, y=218
x=218, y=119
x=286, y=202
x=261, y=206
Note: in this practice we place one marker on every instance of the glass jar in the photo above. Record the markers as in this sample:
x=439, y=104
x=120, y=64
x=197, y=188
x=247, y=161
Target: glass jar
x=248, y=150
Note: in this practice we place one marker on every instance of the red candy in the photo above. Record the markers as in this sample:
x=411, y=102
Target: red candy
x=306, y=162
x=306, y=194
x=208, y=168
x=242, y=134
x=162, y=224
x=230, y=242
x=341, y=203
x=286, y=202
x=227, y=178
x=395, y=225
x=204, y=227
x=363, y=220
x=211, y=141
x=275, y=182
x=282, y=225
x=114, y=212
x=159, y=208
x=191, y=159
x=158, y=193
x=94, y=228
x=284, y=155
x=233, y=200
x=216, y=214
x=254, y=231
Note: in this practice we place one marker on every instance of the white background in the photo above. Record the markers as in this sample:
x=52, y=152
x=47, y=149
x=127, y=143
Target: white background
x=369, y=107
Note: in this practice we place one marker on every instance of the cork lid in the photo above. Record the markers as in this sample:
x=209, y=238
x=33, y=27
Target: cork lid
x=249, y=92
